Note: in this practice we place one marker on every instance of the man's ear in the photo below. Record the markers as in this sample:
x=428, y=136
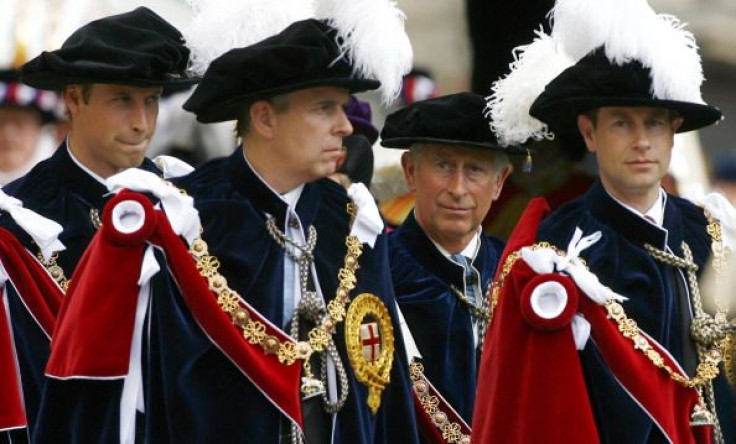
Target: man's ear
x=263, y=118
x=677, y=123
x=409, y=166
x=501, y=179
x=73, y=99
x=587, y=130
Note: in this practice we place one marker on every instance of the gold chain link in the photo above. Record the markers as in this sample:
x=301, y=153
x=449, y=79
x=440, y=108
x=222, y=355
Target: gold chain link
x=55, y=270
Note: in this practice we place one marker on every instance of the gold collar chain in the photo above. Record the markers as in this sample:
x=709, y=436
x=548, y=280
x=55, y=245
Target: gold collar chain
x=254, y=331
x=711, y=333
x=481, y=313
x=52, y=266
x=55, y=270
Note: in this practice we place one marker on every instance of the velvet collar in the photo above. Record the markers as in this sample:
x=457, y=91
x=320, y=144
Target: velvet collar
x=420, y=245
x=632, y=227
x=252, y=187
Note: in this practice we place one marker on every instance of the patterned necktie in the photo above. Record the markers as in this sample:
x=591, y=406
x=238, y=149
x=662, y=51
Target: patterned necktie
x=469, y=276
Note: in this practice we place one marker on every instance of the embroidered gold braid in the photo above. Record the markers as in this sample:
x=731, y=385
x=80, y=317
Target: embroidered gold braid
x=254, y=331
x=55, y=270
x=451, y=431
x=729, y=363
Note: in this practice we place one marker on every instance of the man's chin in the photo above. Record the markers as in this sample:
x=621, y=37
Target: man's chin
x=132, y=161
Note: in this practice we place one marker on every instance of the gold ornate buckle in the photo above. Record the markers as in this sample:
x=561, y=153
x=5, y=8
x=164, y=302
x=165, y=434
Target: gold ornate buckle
x=369, y=336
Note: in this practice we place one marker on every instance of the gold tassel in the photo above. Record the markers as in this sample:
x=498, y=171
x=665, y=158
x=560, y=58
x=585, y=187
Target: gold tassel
x=526, y=166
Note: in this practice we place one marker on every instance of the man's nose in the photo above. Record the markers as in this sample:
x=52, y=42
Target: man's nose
x=344, y=127
x=458, y=184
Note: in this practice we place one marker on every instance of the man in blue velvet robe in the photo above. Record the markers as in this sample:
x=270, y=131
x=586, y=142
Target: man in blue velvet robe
x=455, y=168
x=645, y=232
x=111, y=72
x=278, y=227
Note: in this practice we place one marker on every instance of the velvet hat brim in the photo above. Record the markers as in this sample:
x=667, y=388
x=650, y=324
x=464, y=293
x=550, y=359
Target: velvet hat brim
x=304, y=55
x=595, y=82
x=456, y=119
x=137, y=48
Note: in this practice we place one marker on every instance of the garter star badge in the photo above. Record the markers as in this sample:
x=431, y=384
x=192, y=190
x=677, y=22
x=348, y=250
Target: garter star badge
x=369, y=336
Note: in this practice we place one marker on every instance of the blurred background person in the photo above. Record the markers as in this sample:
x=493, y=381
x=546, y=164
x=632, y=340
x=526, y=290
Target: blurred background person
x=724, y=176
x=356, y=164
x=28, y=118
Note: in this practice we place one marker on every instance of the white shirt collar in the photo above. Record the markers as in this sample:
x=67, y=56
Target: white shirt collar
x=290, y=197
x=470, y=250
x=94, y=175
x=656, y=212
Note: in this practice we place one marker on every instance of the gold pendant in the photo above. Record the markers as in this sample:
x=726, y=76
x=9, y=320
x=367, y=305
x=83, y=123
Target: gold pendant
x=369, y=336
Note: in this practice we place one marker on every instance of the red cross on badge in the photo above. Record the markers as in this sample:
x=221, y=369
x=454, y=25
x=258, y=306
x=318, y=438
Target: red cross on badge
x=370, y=339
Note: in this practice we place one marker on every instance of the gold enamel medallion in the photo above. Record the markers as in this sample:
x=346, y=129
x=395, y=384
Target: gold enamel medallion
x=369, y=336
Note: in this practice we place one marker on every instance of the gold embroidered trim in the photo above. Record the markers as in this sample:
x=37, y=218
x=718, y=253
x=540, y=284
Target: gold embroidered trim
x=254, y=331
x=706, y=370
x=55, y=270
x=451, y=431
x=728, y=359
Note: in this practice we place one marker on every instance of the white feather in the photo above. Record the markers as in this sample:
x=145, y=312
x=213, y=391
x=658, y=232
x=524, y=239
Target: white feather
x=632, y=30
x=372, y=35
x=583, y=25
x=676, y=71
x=533, y=67
x=218, y=26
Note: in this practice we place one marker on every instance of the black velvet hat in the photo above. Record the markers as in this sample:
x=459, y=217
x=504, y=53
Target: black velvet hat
x=304, y=55
x=456, y=119
x=595, y=82
x=137, y=48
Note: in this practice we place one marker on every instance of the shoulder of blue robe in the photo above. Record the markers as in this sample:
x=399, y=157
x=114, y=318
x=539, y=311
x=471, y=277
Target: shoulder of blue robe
x=441, y=326
x=58, y=189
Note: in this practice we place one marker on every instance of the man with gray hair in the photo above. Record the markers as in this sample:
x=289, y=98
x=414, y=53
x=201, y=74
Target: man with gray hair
x=441, y=262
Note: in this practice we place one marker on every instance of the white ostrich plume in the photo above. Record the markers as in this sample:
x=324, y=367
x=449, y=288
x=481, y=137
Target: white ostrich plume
x=371, y=33
x=631, y=30
x=673, y=58
x=218, y=26
x=508, y=106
